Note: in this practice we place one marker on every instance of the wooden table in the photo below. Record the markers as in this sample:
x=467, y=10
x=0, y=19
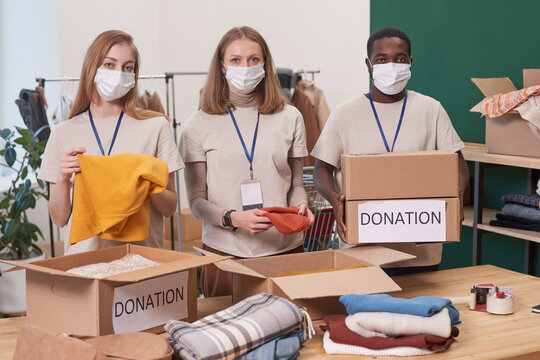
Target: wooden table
x=482, y=335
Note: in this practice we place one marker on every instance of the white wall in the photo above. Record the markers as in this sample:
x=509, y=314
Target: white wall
x=174, y=35
x=28, y=48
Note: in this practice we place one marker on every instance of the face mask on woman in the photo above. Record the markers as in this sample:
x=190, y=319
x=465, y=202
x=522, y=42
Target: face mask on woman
x=391, y=78
x=244, y=79
x=112, y=84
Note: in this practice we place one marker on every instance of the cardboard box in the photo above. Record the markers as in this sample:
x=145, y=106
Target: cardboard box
x=317, y=292
x=135, y=301
x=508, y=134
x=353, y=222
x=191, y=231
x=421, y=174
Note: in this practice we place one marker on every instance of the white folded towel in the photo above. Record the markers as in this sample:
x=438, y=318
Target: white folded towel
x=332, y=347
x=388, y=324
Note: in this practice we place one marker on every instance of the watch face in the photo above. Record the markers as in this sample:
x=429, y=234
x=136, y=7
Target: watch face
x=227, y=218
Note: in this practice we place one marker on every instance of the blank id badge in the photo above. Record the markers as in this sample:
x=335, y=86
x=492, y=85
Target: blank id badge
x=251, y=192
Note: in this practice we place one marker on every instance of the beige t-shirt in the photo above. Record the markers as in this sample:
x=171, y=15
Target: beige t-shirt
x=214, y=140
x=352, y=129
x=151, y=136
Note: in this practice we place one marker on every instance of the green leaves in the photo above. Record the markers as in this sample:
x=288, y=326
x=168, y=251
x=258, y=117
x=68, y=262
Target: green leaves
x=21, y=152
x=10, y=156
x=26, y=137
x=6, y=134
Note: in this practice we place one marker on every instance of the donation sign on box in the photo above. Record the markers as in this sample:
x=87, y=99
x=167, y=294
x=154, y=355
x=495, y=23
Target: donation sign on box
x=402, y=221
x=149, y=303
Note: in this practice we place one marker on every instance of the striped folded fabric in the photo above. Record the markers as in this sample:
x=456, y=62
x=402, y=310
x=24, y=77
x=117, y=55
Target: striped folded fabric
x=500, y=104
x=235, y=330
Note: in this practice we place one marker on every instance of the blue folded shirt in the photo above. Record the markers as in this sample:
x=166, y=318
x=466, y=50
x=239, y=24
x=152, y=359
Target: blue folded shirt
x=284, y=347
x=421, y=305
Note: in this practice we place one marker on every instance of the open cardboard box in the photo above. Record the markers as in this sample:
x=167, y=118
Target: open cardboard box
x=317, y=292
x=508, y=134
x=141, y=300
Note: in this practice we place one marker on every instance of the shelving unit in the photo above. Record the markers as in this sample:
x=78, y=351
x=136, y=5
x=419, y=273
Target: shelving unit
x=478, y=217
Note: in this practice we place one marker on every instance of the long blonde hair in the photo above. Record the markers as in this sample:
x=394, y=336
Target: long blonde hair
x=215, y=94
x=92, y=61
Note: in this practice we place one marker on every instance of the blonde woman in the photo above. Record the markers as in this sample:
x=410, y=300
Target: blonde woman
x=105, y=120
x=243, y=150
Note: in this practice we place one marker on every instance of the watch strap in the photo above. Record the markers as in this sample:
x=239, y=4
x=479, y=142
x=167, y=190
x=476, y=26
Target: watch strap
x=228, y=221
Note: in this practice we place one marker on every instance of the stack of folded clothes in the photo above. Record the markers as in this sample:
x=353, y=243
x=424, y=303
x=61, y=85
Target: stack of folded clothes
x=262, y=327
x=381, y=325
x=520, y=211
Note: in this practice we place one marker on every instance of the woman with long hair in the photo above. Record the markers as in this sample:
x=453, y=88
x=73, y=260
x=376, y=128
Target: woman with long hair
x=243, y=150
x=105, y=120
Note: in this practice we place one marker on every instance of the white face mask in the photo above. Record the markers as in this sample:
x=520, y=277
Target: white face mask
x=244, y=79
x=391, y=78
x=112, y=84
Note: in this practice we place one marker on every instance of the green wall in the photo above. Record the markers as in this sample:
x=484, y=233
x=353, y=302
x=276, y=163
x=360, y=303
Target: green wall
x=452, y=41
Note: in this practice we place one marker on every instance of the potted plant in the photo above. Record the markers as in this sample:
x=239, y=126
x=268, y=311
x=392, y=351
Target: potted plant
x=18, y=239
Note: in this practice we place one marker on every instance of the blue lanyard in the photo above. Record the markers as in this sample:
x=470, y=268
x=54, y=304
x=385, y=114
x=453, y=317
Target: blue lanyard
x=96, y=133
x=379, y=123
x=249, y=157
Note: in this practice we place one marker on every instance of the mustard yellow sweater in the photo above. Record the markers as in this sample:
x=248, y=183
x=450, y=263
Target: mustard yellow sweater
x=111, y=196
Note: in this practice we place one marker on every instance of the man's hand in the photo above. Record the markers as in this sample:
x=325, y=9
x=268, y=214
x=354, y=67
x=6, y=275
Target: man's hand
x=339, y=213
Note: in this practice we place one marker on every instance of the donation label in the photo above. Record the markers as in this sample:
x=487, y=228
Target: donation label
x=150, y=303
x=402, y=221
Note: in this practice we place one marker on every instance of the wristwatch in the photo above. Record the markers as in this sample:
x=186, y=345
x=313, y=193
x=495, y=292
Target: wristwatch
x=228, y=221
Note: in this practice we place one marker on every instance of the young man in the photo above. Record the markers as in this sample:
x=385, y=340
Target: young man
x=389, y=118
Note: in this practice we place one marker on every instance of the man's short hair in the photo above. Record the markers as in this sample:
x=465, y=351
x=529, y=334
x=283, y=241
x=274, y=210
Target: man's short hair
x=387, y=32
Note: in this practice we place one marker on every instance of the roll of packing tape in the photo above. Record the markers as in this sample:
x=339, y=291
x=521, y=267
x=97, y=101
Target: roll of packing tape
x=500, y=303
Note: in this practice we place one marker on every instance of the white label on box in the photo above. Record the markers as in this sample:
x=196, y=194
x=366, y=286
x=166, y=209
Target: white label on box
x=402, y=221
x=150, y=303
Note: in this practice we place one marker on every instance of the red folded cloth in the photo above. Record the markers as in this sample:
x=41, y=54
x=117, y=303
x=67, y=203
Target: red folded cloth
x=340, y=333
x=286, y=220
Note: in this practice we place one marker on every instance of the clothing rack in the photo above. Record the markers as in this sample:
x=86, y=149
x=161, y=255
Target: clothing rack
x=169, y=82
x=71, y=78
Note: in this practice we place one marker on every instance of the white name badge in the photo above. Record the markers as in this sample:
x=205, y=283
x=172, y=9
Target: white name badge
x=402, y=221
x=251, y=192
x=150, y=303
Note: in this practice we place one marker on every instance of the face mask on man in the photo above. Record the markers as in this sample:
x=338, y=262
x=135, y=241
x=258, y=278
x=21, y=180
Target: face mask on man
x=113, y=84
x=391, y=78
x=244, y=79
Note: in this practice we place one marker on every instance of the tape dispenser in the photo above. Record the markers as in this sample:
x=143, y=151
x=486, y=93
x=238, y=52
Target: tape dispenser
x=493, y=299
x=488, y=298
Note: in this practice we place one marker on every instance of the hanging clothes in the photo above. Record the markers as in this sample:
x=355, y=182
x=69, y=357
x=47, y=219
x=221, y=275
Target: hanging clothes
x=302, y=102
x=150, y=100
x=286, y=80
x=318, y=100
x=33, y=108
x=61, y=113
